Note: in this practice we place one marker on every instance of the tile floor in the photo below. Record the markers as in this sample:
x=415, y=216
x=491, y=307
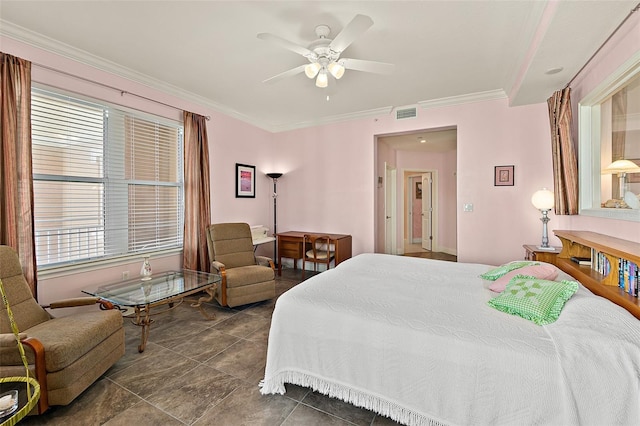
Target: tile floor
x=416, y=250
x=199, y=372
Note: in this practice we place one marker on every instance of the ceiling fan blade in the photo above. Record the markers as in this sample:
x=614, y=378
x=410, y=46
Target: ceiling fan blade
x=287, y=45
x=367, y=66
x=354, y=29
x=289, y=73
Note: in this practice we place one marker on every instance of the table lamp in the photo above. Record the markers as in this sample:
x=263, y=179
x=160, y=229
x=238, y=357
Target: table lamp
x=621, y=168
x=543, y=200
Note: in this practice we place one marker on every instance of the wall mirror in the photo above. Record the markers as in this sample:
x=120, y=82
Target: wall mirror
x=609, y=146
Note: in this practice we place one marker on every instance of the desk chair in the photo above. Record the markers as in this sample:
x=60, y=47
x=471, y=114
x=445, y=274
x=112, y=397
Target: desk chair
x=317, y=249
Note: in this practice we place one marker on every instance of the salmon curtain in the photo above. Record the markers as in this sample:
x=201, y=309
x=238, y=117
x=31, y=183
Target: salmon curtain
x=16, y=180
x=197, y=207
x=565, y=159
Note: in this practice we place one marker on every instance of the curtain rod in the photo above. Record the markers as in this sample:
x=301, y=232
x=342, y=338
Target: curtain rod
x=635, y=9
x=122, y=92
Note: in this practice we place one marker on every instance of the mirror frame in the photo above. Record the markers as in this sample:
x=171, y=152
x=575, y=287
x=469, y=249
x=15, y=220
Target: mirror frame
x=589, y=144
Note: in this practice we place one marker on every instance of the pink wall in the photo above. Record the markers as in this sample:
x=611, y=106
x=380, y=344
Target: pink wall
x=331, y=184
x=330, y=181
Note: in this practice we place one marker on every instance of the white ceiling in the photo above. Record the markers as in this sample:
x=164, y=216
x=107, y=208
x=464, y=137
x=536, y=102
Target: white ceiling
x=207, y=51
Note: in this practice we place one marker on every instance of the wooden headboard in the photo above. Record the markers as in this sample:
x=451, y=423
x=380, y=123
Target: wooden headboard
x=600, y=279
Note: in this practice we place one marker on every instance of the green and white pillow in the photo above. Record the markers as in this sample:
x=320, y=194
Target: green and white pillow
x=495, y=273
x=540, y=301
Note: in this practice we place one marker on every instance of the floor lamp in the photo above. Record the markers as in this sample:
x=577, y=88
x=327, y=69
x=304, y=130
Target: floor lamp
x=275, y=177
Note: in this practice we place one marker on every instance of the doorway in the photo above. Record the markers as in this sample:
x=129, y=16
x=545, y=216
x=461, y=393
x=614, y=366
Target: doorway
x=419, y=218
x=426, y=151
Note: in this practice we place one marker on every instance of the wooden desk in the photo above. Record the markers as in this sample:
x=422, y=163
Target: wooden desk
x=290, y=244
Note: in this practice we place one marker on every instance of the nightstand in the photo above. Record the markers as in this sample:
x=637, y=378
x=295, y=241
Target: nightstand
x=532, y=252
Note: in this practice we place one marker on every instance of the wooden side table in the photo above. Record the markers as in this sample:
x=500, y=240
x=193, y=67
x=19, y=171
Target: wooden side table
x=532, y=252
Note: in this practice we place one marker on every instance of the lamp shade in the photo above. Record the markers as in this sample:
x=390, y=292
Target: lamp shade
x=322, y=80
x=311, y=70
x=274, y=175
x=543, y=199
x=336, y=70
x=621, y=166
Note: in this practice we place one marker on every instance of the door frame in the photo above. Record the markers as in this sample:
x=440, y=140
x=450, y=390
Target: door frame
x=390, y=210
x=429, y=212
x=406, y=203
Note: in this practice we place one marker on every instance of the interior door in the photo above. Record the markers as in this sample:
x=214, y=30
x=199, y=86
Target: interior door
x=427, y=211
x=390, y=243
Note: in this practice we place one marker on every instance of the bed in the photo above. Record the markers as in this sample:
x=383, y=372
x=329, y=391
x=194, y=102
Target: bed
x=415, y=340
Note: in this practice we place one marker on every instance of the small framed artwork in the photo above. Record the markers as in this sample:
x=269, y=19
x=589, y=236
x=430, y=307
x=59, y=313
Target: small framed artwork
x=245, y=181
x=503, y=176
x=419, y=190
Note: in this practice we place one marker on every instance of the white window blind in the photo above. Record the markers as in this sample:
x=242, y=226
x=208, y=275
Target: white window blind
x=108, y=182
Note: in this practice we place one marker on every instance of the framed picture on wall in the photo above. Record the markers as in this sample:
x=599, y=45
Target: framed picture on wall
x=245, y=181
x=503, y=176
x=419, y=190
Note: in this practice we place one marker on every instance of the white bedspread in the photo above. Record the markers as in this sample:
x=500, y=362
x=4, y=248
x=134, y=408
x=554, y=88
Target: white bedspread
x=413, y=339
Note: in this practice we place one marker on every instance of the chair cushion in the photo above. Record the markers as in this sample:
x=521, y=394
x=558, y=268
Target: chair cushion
x=66, y=339
x=320, y=254
x=26, y=310
x=231, y=244
x=247, y=275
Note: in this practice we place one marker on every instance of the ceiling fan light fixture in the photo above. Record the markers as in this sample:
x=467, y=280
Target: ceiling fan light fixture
x=311, y=70
x=336, y=70
x=322, y=80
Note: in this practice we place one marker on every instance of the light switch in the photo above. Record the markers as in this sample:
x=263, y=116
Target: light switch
x=468, y=207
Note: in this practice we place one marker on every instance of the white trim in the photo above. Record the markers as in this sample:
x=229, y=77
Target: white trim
x=72, y=269
x=589, y=130
x=464, y=99
x=34, y=39
x=331, y=120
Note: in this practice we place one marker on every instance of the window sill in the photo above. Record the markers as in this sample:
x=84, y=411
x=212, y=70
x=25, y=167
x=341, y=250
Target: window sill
x=78, y=268
x=620, y=214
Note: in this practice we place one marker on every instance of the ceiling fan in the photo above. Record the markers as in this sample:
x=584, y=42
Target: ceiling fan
x=323, y=54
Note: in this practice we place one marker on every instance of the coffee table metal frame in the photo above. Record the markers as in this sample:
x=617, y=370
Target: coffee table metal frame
x=168, y=288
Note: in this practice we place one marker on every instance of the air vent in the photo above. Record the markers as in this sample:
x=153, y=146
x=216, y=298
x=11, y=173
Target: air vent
x=401, y=114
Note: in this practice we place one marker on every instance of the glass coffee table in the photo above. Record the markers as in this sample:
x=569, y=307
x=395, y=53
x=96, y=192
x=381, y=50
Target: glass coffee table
x=168, y=288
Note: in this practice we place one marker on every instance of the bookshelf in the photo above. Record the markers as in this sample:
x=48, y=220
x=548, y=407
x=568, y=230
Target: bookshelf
x=580, y=243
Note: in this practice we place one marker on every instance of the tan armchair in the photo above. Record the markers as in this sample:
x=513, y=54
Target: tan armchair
x=67, y=354
x=246, y=278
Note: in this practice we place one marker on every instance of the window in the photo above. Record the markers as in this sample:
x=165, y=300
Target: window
x=609, y=132
x=108, y=182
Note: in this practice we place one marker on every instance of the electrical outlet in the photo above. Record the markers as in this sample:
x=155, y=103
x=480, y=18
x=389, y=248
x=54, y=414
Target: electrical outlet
x=125, y=275
x=468, y=207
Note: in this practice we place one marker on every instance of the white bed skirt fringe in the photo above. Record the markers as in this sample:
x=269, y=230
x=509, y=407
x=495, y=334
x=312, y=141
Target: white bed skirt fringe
x=378, y=405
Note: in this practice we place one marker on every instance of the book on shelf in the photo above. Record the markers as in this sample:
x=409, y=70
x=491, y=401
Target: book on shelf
x=581, y=260
x=628, y=276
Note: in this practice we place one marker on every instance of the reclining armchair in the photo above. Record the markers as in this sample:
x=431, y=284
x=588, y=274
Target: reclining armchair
x=246, y=278
x=65, y=355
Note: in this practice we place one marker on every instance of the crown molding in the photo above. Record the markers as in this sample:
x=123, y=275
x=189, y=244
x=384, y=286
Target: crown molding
x=40, y=41
x=333, y=119
x=48, y=44
x=464, y=99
